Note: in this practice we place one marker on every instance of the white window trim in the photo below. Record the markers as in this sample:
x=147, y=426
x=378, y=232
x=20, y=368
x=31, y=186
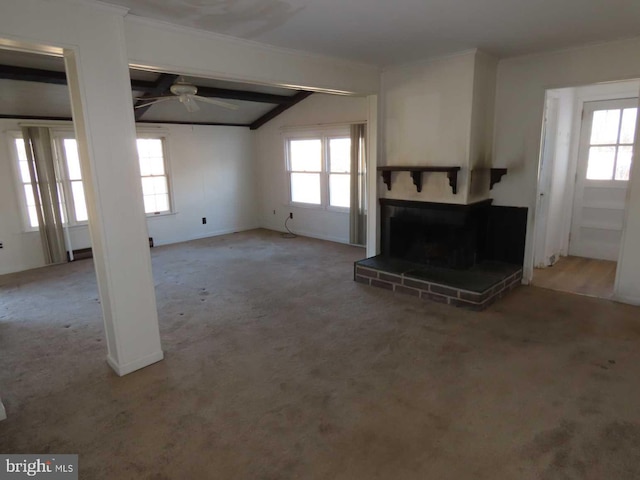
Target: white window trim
x=58, y=135
x=164, y=136
x=313, y=133
x=12, y=136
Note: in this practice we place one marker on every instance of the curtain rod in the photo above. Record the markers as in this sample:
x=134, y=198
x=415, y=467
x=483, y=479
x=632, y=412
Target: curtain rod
x=69, y=123
x=322, y=125
x=47, y=123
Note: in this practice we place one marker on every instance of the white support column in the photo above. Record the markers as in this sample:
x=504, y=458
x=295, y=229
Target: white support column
x=92, y=37
x=103, y=117
x=373, y=226
x=627, y=285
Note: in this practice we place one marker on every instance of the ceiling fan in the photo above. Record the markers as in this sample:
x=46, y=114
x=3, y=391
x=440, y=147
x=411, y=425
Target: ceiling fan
x=185, y=93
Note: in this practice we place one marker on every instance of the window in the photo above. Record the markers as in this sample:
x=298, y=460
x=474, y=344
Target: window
x=305, y=163
x=73, y=207
x=155, y=186
x=70, y=188
x=611, y=144
x=318, y=167
x=25, y=178
x=339, y=172
x=71, y=179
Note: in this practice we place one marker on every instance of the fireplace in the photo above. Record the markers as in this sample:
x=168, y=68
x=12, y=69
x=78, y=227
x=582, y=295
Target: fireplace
x=464, y=255
x=435, y=234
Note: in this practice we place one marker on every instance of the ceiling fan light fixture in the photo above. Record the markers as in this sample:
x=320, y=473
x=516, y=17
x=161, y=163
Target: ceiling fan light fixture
x=183, y=89
x=185, y=93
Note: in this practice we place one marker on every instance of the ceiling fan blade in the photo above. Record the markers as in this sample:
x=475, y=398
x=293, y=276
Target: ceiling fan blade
x=152, y=102
x=189, y=103
x=219, y=103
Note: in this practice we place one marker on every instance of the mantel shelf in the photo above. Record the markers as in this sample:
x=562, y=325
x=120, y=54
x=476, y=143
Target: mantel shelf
x=416, y=174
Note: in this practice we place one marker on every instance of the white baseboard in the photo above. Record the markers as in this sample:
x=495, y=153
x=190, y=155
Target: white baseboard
x=328, y=238
x=214, y=233
x=625, y=299
x=306, y=233
x=127, y=368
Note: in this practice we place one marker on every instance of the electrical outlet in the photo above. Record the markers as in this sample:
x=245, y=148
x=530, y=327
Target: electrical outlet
x=204, y=220
x=291, y=215
x=1, y=245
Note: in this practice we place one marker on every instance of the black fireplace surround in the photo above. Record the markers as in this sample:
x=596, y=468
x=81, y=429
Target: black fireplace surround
x=463, y=255
x=436, y=234
x=451, y=235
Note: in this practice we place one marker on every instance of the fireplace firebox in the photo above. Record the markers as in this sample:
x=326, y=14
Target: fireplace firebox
x=435, y=234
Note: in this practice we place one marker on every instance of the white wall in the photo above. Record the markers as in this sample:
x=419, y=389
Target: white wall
x=212, y=176
x=211, y=172
x=438, y=113
x=627, y=286
x=184, y=50
x=520, y=91
x=481, y=131
x=316, y=110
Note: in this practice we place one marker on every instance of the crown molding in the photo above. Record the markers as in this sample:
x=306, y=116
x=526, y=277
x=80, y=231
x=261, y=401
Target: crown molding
x=430, y=60
x=574, y=48
x=102, y=6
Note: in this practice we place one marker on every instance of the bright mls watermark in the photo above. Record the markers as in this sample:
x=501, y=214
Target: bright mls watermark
x=51, y=467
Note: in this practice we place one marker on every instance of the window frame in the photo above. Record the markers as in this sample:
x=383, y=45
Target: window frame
x=58, y=136
x=592, y=106
x=324, y=135
x=14, y=135
x=164, y=137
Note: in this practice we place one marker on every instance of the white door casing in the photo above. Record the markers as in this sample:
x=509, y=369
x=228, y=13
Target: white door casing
x=549, y=128
x=604, y=156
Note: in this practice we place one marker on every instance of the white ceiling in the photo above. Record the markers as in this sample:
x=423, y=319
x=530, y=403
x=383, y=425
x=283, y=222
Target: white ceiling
x=386, y=32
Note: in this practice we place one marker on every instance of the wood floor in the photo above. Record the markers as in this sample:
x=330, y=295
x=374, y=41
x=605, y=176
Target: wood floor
x=586, y=276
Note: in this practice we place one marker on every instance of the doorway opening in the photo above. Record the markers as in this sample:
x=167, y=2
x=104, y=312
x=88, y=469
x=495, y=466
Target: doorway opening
x=585, y=161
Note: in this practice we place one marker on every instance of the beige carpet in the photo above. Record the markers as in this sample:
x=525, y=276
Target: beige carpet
x=279, y=366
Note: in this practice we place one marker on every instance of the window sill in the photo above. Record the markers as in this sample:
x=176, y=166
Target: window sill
x=163, y=214
x=310, y=206
x=322, y=208
x=337, y=210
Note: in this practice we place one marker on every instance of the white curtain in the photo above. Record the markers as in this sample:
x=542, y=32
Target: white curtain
x=358, y=207
x=44, y=182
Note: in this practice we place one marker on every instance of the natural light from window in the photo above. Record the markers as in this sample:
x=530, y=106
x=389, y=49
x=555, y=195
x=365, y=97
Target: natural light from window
x=155, y=188
x=611, y=144
x=305, y=158
x=25, y=177
x=319, y=170
x=339, y=168
x=75, y=179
